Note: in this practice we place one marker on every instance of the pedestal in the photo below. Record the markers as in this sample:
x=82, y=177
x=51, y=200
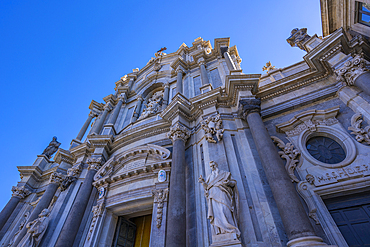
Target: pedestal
x=226, y=239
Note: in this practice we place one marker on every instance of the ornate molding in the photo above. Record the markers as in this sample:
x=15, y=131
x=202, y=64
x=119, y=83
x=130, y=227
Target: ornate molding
x=72, y=174
x=290, y=155
x=213, y=125
x=57, y=178
x=249, y=106
x=351, y=69
x=304, y=192
x=362, y=134
x=97, y=211
x=160, y=197
x=95, y=163
x=178, y=131
x=21, y=192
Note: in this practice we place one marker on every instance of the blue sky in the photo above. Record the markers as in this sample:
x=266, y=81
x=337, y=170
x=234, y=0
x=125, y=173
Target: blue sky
x=56, y=56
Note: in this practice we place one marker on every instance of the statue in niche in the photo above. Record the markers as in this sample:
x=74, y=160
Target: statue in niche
x=222, y=198
x=153, y=106
x=213, y=125
x=21, y=225
x=36, y=230
x=52, y=148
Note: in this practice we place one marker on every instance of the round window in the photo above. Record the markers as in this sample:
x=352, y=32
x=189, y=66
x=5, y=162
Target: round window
x=325, y=149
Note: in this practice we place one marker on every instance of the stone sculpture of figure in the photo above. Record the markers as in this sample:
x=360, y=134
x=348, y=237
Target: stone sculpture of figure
x=21, y=225
x=52, y=148
x=153, y=106
x=222, y=199
x=36, y=230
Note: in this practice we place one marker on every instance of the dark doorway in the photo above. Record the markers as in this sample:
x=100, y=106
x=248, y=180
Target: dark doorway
x=351, y=213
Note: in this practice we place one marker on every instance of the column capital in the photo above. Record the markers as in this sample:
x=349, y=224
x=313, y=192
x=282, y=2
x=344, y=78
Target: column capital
x=56, y=178
x=249, y=106
x=178, y=131
x=20, y=192
x=166, y=85
x=108, y=106
x=139, y=97
x=95, y=163
x=201, y=61
x=93, y=114
x=352, y=69
x=122, y=97
x=180, y=69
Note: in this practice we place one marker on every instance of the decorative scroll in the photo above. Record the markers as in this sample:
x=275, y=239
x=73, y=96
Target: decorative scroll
x=160, y=197
x=95, y=163
x=362, y=134
x=290, y=155
x=352, y=69
x=178, y=131
x=213, y=125
x=57, y=177
x=303, y=191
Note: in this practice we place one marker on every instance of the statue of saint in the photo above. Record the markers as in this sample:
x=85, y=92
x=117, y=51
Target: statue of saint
x=52, y=148
x=36, y=230
x=222, y=199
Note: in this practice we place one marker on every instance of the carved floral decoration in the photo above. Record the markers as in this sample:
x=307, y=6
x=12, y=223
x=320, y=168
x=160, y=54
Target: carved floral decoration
x=351, y=70
x=97, y=211
x=213, y=125
x=57, y=177
x=94, y=163
x=178, y=131
x=290, y=155
x=160, y=197
x=20, y=192
x=362, y=134
x=72, y=175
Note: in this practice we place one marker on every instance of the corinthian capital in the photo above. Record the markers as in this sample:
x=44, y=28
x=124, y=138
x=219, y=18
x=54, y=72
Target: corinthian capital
x=94, y=163
x=56, y=178
x=178, y=131
x=201, y=61
x=20, y=192
x=351, y=69
x=249, y=106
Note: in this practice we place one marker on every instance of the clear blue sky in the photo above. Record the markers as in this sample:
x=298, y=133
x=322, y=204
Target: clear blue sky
x=56, y=56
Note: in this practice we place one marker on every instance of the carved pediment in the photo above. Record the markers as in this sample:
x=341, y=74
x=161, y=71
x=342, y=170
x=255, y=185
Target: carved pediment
x=133, y=161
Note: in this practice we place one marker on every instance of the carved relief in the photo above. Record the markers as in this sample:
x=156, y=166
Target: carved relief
x=362, y=134
x=213, y=125
x=153, y=106
x=94, y=163
x=290, y=155
x=302, y=189
x=20, y=192
x=160, y=197
x=352, y=69
x=57, y=178
x=36, y=230
x=311, y=125
x=298, y=37
x=21, y=225
x=97, y=211
x=178, y=131
x=72, y=175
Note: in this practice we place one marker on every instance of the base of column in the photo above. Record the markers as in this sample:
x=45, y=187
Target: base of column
x=109, y=130
x=311, y=241
x=226, y=240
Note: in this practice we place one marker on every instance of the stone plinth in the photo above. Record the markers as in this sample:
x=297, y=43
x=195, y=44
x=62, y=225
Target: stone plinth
x=226, y=239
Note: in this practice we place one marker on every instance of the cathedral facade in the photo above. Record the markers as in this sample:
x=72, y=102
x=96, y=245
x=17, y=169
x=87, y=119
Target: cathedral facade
x=191, y=151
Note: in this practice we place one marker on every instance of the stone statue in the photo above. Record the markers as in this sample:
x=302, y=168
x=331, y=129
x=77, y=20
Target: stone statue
x=52, y=148
x=298, y=37
x=153, y=106
x=213, y=125
x=21, y=225
x=222, y=199
x=36, y=230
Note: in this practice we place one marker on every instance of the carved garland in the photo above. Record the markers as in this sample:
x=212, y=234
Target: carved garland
x=290, y=155
x=160, y=196
x=97, y=211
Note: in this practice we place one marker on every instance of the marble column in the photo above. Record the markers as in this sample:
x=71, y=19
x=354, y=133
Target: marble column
x=229, y=61
x=18, y=194
x=176, y=215
x=85, y=126
x=137, y=108
x=113, y=118
x=70, y=228
x=56, y=180
x=293, y=215
x=180, y=72
x=166, y=95
x=203, y=71
x=354, y=73
x=100, y=121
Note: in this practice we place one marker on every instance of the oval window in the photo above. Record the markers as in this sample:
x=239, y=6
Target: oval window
x=325, y=149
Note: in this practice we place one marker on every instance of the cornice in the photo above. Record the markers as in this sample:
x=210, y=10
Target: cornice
x=64, y=156
x=179, y=105
x=95, y=106
x=82, y=150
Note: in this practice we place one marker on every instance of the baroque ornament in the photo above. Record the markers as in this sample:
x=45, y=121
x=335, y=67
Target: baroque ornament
x=298, y=37
x=20, y=192
x=160, y=197
x=178, y=131
x=352, y=69
x=290, y=155
x=268, y=67
x=57, y=178
x=94, y=163
x=249, y=106
x=304, y=192
x=153, y=106
x=362, y=134
x=36, y=230
x=72, y=175
x=97, y=211
x=213, y=125
x=222, y=198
